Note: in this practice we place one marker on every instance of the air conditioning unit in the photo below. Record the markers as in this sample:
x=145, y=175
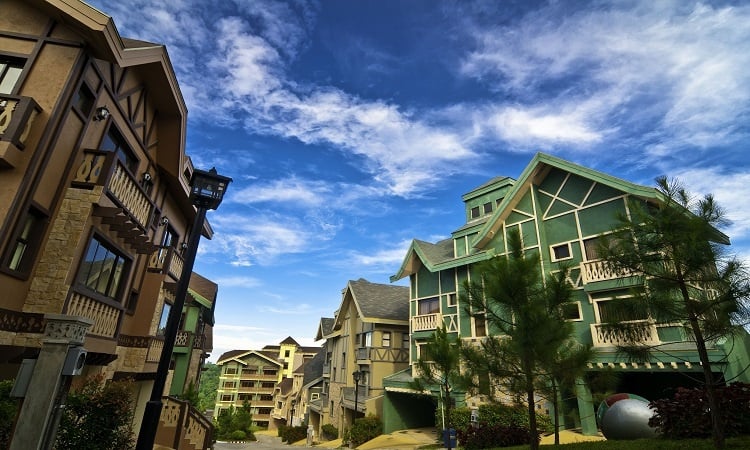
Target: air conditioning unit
x=74, y=361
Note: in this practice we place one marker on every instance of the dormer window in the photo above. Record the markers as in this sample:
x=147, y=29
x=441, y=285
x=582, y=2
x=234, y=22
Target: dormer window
x=475, y=212
x=488, y=207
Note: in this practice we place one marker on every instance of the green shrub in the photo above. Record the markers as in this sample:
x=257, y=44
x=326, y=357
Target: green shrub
x=329, y=432
x=97, y=415
x=491, y=436
x=238, y=435
x=291, y=435
x=8, y=410
x=365, y=429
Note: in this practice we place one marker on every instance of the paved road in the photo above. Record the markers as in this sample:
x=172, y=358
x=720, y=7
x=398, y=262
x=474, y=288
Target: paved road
x=263, y=443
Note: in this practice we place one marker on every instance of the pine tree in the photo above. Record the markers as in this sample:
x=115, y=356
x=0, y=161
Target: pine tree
x=678, y=257
x=530, y=339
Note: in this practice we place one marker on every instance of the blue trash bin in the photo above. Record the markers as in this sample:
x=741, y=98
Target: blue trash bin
x=449, y=438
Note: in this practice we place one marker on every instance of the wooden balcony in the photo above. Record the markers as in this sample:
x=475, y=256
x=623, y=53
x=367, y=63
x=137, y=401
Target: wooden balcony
x=106, y=317
x=182, y=426
x=17, y=116
x=425, y=322
x=155, y=348
x=166, y=260
x=593, y=271
x=131, y=210
x=363, y=392
x=637, y=332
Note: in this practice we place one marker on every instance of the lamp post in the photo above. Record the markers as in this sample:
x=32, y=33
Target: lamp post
x=357, y=376
x=294, y=402
x=207, y=189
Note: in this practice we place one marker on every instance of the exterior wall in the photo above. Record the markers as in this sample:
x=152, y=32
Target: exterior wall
x=53, y=162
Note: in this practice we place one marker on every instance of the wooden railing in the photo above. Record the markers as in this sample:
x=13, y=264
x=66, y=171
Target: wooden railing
x=363, y=392
x=600, y=270
x=363, y=353
x=425, y=322
x=155, y=348
x=636, y=332
x=102, y=168
x=166, y=260
x=182, y=426
x=105, y=317
x=182, y=339
x=17, y=115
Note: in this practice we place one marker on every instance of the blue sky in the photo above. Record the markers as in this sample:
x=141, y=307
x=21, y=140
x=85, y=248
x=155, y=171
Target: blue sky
x=352, y=127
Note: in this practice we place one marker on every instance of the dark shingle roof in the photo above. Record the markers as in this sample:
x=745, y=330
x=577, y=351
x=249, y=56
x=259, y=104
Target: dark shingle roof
x=326, y=325
x=436, y=253
x=230, y=354
x=381, y=301
x=314, y=367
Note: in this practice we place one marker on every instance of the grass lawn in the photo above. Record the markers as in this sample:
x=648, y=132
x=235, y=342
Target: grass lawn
x=642, y=444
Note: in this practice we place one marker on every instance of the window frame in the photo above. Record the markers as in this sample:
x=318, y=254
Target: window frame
x=123, y=151
x=32, y=242
x=435, y=299
x=118, y=297
x=475, y=212
x=385, y=342
x=553, y=254
x=9, y=62
x=577, y=303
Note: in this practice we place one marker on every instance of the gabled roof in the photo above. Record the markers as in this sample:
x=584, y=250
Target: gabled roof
x=289, y=341
x=376, y=303
x=240, y=355
x=325, y=327
x=422, y=252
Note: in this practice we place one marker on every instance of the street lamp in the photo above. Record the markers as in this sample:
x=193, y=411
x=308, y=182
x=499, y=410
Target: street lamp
x=291, y=422
x=357, y=376
x=206, y=192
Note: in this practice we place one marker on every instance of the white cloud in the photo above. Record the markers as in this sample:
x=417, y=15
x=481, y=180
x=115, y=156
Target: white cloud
x=238, y=281
x=299, y=192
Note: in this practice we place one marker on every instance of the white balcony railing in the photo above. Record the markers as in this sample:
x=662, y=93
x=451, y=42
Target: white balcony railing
x=105, y=317
x=425, y=322
x=637, y=332
x=599, y=270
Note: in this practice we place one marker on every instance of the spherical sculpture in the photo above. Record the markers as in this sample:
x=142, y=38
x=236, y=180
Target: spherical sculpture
x=628, y=419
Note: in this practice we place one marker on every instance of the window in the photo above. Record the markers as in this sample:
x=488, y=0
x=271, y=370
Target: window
x=269, y=372
x=27, y=241
x=571, y=311
x=428, y=306
x=10, y=73
x=451, y=299
x=480, y=327
x=162, y=330
x=487, y=207
x=227, y=398
x=286, y=353
x=590, y=248
x=404, y=340
x=229, y=385
x=386, y=339
x=619, y=312
x=114, y=142
x=246, y=383
x=230, y=370
x=83, y=101
x=103, y=269
x=561, y=252
x=268, y=385
x=314, y=396
x=366, y=339
x=475, y=212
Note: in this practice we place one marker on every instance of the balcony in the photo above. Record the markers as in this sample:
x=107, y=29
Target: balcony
x=425, y=322
x=594, y=271
x=326, y=370
x=637, y=332
x=363, y=354
x=17, y=116
x=363, y=392
x=166, y=260
x=132, y=211
x=105, y=316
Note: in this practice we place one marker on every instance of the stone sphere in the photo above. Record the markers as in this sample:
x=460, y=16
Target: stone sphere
x=628, y=419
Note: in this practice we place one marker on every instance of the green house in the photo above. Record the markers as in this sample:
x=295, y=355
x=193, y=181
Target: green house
x=560, y=210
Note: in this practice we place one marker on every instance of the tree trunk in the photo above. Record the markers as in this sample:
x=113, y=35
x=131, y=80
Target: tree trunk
x=717, y=421
x=556, y=406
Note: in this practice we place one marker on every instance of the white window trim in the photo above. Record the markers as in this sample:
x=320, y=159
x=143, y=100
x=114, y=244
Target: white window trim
x=580, y=312
x=552, y=252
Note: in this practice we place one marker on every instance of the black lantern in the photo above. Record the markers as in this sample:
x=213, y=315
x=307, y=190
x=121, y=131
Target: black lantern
x=206, y=192
x=207, y=188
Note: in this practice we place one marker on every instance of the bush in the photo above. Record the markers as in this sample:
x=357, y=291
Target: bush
x=238, y=435
x=365, y=429
x=490, y=436
x=97, y=416
x=291, y=435
x=686, y=414
x=8, y=410
x=329, y=432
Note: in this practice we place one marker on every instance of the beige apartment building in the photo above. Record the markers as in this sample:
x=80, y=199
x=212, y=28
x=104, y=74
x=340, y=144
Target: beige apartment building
x=264, y=378
x=367, y=340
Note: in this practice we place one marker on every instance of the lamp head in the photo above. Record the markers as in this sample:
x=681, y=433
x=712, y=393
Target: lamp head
x=207, y=188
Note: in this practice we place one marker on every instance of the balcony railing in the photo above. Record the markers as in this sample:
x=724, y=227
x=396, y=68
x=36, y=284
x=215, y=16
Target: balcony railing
x=363, y=392
x=155, y=348
x=363, y=353
x=637, y=332
x=182, y=339
x=425, y=322
x=104, y=316
x=326, y=369
x=600, y=270
x=134, y=209
x=17, y=115
x=166, y=260
x=181, y=426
